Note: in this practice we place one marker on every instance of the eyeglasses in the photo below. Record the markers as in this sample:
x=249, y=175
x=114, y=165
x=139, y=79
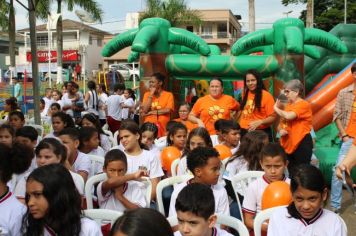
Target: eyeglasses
x=287, y=91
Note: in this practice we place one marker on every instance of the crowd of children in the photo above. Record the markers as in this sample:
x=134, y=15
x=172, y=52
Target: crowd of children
x=41, y=191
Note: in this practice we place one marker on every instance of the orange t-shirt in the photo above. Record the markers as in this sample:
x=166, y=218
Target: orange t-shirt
x=351, y=126
x=190, y=125
x=210, y=110
x=165, y=100
x=297, y=128
x=251, y=113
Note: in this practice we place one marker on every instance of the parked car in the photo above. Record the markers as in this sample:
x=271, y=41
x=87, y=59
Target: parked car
x=126, y=70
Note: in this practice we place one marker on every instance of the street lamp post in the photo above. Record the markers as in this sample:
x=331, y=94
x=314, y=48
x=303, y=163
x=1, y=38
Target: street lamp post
x=345, y=14
x=287, y=13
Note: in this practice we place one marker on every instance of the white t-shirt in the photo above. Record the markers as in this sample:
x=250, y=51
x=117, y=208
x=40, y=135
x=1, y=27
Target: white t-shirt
x=103, y=98
x=82, y=163
x=20, y=189
x=125, y=111
x=96, y=167
x=89, y=228
x=182, y=168
x=133, y=191
x=147, y=160
x=105, y=142
x=66, y=101
x=48, y=103
x=253, y=197
x=325, y=223
x=220, y=197
x=114, y=106
x=238, y=165
x=214, y=140
x=216, y=232
x=11, y=215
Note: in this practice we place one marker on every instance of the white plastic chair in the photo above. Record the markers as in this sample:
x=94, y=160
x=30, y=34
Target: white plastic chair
x=229, y=221
x=111, y=137
x=261, y=217
x=108, y=132
x=240, y=183
x=80, y=181
x=102, y=177
x=39, y=129
x=343, y=223
x=116, y=134
x=97, y=163
x=165, y=183
x=106, y=127
x=174, y=167
x=161, y=143
x=103, y=216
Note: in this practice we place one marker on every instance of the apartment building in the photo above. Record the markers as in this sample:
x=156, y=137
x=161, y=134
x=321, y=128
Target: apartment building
x=219, y=27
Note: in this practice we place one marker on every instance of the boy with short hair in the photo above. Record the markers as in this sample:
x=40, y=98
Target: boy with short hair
x=217, y=138
x=230, y=131
x=120, y=192
x=16, y=119
x=204, y=163
x=114, y=103
x=79, y=162
x=195, y=208
x=273, y=160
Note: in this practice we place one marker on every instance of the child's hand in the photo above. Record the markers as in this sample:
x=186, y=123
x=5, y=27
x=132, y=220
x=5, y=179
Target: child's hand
x=283, y=132
x=140, y=173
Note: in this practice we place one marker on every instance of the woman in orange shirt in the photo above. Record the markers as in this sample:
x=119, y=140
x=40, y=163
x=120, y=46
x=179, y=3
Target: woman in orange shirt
x=157, y=103
x=214, y=106
x=183, y=113
x=257, y=106
x=295, y=134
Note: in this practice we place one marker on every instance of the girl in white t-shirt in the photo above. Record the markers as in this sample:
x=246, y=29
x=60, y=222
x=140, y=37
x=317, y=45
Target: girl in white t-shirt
x=103, y=98
x=129, y=104
x=137, y=157
x=90, y=120
x=54, y=205
x=60, y=121
x=149, y=133
x=198, y=137
x=49, y=151
x=305, y=214
x=120, y=191
x=11, y=209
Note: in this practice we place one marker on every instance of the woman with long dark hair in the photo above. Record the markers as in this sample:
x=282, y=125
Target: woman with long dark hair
x=257, y=105
x=91, y=100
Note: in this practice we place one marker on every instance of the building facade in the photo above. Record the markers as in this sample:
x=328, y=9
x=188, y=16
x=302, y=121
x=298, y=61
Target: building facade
x=219, y=27
x=82, y=44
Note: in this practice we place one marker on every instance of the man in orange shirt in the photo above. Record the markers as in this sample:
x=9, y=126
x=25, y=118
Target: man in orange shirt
x=157, y=104
x=213, y=106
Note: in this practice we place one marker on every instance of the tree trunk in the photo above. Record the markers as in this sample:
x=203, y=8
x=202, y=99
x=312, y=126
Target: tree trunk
x=59, y=43
x=251, y=15
x=12, y=39
x=35, y=78
x=309, y=19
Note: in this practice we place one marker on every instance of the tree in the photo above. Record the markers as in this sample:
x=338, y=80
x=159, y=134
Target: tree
x=175, y=11
x=91, y=6
x=328, y=13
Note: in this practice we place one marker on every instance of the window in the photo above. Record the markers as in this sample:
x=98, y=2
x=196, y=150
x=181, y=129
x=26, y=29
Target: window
x=190, y=28
x=207, y=32
x=100, y=42
x=90, y=40
x=42, y=40
x=222, y=30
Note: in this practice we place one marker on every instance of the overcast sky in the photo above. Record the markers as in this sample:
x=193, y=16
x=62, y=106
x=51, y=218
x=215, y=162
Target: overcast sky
x=267, y=11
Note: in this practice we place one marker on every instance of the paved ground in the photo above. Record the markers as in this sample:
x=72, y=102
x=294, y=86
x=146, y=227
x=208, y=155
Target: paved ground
x=348, y=213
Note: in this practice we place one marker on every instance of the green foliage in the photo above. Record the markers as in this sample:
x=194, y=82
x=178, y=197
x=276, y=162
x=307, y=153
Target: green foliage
x=4, y=17
x=328, y=13
x=175, y=11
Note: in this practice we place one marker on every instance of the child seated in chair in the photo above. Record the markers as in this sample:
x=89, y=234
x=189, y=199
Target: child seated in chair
x=204, y=163
x=195, y=207
x=119, y=192
x=274, y=162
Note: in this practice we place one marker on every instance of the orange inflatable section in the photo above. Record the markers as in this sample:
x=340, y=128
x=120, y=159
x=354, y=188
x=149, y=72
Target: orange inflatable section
x=323, y=101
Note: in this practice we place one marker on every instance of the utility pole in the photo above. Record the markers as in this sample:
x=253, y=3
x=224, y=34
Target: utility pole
x=251, y=15
x=35, y=78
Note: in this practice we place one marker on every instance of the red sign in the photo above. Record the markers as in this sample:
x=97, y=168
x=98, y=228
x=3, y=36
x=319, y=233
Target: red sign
x=68, y=55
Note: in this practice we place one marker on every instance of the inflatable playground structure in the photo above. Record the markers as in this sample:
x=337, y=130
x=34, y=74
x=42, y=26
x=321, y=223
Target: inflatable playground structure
x=288, y=50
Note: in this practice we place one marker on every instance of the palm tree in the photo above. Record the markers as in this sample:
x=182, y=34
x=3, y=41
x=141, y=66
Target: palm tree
x=175, y=11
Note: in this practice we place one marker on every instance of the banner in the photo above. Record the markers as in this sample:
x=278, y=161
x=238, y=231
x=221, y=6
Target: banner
x=68, y=55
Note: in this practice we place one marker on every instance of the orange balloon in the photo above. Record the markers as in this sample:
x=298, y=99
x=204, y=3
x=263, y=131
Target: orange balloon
x=223, y=150
x=276, y=194
x=168, y=155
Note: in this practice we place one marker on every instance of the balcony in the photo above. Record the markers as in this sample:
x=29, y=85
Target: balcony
x=217, y=37
x=67, y=45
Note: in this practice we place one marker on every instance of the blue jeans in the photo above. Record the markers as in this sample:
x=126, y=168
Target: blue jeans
x=336, y=184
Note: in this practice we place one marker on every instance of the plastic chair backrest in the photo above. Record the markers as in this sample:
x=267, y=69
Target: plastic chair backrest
x=97, y=163
x=262, y=217
x=80, y=181
x=240, y=183
x=110, y=137
x=116, y=135
x=103, y=216
x=174, y=167
x=229, y=221
x=168, y=182
x=105, y=127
